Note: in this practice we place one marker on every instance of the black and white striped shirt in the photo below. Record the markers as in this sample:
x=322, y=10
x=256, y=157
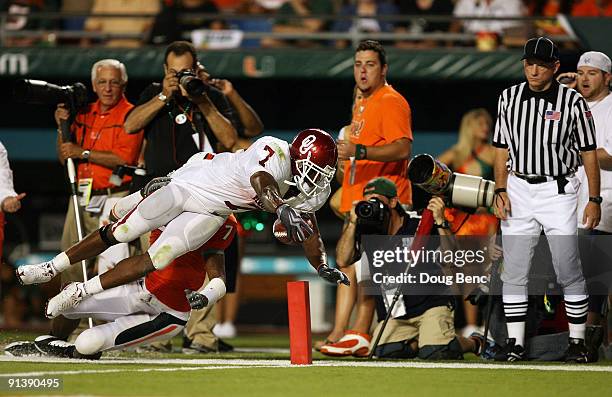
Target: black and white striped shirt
x=544, y=131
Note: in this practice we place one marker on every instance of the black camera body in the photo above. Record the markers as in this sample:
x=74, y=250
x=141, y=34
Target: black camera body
x=120, y=171
x=40, y=92
x=372, y=217
x=190, y=82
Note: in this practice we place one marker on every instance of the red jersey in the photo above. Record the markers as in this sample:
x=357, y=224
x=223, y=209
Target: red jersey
x=187, y=271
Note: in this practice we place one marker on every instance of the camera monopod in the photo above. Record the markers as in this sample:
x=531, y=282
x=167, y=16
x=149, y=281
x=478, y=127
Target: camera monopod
x=74, y=196
x=75, y=98
x=420, y=241
x=494, y=287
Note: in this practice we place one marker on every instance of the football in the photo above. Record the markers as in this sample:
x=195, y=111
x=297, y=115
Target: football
x=280, y=232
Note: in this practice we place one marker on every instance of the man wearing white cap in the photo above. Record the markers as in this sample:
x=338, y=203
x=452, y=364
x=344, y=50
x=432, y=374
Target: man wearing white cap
x=592, y=80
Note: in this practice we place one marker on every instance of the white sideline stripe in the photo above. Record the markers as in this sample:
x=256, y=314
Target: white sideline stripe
x=241, y=363
x=109, y=371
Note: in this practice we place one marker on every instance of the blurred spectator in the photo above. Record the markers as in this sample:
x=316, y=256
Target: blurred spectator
x=75, y=6
x=417, y=10
x=228, y=5
x=174, y=21
x=133, y=24
x=258, y=25
x=511, y=32
x=19, y=20
x=302, y=8
x=592, y=8
x=548, y=8
x=367, y=10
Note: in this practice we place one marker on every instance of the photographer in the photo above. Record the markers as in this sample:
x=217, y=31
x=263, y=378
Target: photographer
x=426, y=329
x=99, y=144
x=180, y=119
x=184, y=115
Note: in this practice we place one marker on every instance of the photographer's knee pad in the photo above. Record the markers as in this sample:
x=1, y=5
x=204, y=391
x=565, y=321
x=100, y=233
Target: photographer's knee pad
x=165, y=252
x=90, y=341
x=450, y=351
x=396, y=350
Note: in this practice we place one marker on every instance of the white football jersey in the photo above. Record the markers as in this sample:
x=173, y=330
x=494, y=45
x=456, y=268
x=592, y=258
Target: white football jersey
x=221, y=182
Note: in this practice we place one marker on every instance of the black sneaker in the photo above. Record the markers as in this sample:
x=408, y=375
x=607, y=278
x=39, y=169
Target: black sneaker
x=196, y=348
x=225, y=347
x=510, y=352
x=593, y=340
x=576, y=351
x=22, y=349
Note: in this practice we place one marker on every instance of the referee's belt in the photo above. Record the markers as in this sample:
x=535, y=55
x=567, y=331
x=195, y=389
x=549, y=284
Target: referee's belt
x=110, y=190
x=536, y=179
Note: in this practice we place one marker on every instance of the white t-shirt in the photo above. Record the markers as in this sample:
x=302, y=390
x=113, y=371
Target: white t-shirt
x=222, y=184
x=482, y=8
x=602, y=115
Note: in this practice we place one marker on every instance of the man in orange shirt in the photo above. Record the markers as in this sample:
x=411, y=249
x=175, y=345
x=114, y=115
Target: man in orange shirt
x=379, y=144
x=99, y=144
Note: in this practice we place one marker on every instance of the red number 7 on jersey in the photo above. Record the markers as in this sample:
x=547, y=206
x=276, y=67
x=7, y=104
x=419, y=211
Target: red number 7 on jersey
x=270, y=154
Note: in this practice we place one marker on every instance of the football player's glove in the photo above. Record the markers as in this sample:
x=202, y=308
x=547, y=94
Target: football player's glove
x=196, y=300
x=297, y=228
x=333, y=275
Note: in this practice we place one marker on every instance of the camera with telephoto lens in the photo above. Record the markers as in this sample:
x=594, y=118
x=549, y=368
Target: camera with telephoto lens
x=459, y=190
x=40, y=92
x=191, y=83
x=372, y=216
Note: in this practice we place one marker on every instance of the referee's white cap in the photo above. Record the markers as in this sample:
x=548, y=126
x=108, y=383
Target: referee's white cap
x=597, y=60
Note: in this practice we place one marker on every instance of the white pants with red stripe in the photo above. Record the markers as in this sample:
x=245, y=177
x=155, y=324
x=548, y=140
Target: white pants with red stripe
x=187, y=224
x=135, y=317
x=537, y=207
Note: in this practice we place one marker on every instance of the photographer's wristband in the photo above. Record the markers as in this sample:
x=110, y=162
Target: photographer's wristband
x=361, y=152
x=500, y=190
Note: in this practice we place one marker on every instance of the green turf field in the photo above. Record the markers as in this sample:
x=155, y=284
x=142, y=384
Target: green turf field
x=253, y=373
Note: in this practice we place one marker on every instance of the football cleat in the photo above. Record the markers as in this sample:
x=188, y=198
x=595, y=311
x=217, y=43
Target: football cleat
x=510, y=352
x=68, y=298
x=576, y=351
x=35, y=274
x=353, y=343
x=55, y=347
x=22, y=349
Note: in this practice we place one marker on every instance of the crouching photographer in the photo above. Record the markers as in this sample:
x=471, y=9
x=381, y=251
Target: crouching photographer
x=425, y=327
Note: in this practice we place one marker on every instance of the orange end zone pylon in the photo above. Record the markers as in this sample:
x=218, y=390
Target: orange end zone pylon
x=300, y=337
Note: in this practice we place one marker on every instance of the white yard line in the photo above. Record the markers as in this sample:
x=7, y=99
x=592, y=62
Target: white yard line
x=195, y=364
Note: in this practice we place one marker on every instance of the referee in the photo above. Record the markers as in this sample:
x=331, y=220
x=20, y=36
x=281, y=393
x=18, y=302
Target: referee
x=544, y=131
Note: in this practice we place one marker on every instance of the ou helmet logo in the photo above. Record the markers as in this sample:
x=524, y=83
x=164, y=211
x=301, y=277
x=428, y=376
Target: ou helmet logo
x=307, y=144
